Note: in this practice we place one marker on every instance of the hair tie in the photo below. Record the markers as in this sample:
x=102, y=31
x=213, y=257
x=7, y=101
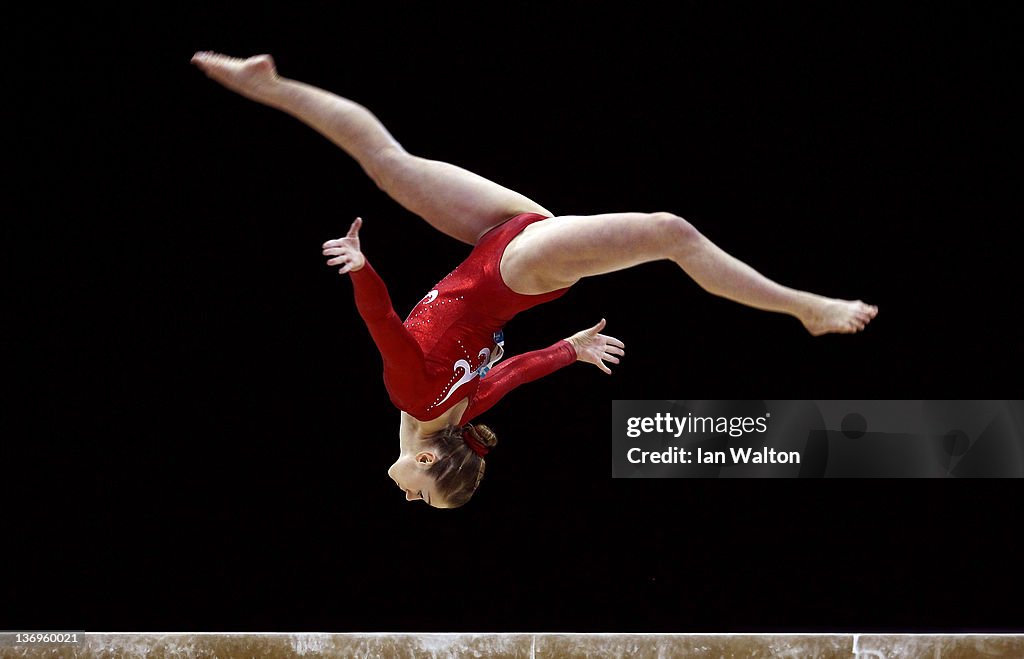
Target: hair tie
x=470, y=437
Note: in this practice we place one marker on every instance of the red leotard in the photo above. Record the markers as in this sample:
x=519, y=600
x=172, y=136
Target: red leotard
x=433, y=360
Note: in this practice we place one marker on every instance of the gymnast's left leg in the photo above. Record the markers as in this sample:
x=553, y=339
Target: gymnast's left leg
x=560, y=251
x=451, y=199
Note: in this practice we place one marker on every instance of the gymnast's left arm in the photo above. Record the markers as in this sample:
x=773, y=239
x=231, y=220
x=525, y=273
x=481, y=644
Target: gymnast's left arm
x=595, y=348
x=586, y=346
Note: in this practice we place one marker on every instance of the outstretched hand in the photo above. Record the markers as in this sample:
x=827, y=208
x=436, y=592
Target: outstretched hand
x=595, y=348
x=346, y=250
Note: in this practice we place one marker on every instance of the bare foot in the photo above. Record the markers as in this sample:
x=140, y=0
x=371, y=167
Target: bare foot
x=827, y=315
x=252, y=77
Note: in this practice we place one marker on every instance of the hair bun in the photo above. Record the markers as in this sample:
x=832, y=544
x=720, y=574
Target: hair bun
x=484, y=435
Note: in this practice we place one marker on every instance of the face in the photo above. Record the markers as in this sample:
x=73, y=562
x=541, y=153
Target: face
x=410, y=473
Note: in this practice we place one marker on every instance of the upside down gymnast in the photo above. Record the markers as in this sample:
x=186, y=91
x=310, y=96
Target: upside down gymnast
x=440, y=364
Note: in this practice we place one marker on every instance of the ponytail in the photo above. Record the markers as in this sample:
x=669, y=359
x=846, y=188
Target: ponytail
x=479, y=438
x=459, y=470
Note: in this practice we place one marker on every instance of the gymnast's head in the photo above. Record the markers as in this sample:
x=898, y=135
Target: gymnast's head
x=446, y=468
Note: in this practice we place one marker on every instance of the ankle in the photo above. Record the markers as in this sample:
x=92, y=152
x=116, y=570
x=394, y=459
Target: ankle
x=270, y=91
x=804, y=305
x=283, y=94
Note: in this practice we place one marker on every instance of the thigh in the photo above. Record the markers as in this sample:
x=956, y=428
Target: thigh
x=453, y=200
x=558, y=252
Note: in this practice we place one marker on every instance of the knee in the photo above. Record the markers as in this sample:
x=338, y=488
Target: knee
x=384, y=165
x=675, y=231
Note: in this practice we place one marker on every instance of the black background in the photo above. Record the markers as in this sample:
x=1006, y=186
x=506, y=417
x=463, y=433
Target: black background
x=199, y=433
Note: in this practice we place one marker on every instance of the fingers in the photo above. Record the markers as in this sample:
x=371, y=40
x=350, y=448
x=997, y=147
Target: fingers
x=610, y=358
x=351, y=261
x=612, y=341
x=613, y=350
x=353, y=232
x=351, y=265
x=597, y=328
x=340, y=254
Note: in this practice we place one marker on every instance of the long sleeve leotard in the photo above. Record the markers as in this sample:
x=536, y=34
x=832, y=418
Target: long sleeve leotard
x=440, y=354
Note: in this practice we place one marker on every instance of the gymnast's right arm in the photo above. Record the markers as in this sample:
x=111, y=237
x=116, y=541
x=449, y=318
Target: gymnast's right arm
x=404, y=366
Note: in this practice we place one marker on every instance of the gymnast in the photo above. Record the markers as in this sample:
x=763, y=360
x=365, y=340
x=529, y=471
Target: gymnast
x=440, y=365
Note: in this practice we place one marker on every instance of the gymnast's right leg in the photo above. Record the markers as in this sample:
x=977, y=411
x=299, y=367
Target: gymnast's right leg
x=558, y=252
x=453, y=200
